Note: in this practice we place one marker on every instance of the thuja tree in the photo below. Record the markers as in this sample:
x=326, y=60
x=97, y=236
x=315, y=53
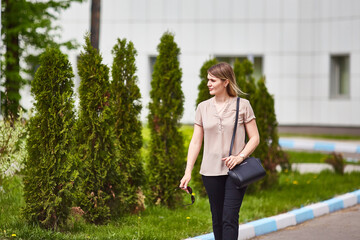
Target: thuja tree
x=95, y=140
x=268, y=150
x=203, y=95
x=243, y=71
x=262, y=102
x=167, y=153
x=127, y=106
x=49, y=177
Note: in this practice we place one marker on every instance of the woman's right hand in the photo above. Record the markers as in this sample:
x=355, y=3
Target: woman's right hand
x=185, y=181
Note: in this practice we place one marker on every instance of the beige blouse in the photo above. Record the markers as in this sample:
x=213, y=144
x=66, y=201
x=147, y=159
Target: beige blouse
x=218, y=130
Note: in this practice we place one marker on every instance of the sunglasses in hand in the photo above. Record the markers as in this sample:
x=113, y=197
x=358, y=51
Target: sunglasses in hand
x=189, y=190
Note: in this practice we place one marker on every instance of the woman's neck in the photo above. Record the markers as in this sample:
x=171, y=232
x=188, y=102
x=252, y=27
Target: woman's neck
x=222, y=98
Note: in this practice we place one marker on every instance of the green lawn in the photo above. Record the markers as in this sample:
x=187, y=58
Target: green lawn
x=311, y=157
x=306, y=157
x=294, y=190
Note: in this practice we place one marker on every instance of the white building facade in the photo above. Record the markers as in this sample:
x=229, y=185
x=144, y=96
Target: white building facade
x=309, y=50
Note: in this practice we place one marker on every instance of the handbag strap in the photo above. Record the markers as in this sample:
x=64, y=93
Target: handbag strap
x=235, y=124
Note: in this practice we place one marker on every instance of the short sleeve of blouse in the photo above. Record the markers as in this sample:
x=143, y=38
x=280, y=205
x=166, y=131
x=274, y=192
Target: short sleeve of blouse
x=198, y=117
x=249, y=112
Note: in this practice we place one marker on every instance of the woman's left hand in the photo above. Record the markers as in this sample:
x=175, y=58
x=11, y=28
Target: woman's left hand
x=232, y=161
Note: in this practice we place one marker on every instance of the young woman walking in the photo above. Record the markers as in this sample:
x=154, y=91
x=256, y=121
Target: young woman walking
x=214, y=123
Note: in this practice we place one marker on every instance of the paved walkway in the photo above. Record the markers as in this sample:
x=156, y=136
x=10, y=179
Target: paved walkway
x=344, y=224
x=295, y=219
x=318, y=167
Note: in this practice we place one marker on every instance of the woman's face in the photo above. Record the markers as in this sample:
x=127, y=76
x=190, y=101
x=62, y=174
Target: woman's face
x=216, y=85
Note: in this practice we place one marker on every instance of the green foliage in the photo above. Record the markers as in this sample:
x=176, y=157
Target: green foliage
x=337, y=161
x=11, y=200
x=244, y=77
x=49, y=177
x=25, y=25
x=12, y=146
x=203, y=88
x=100, y=171
x=306, y=157
x=313, y=157
x=269, y=150
x=127, y=107
x=167, y=150
x=266, y=121
x=203, y=95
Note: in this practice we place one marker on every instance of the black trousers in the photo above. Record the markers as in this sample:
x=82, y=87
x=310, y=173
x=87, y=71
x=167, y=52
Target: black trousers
x=225, y=202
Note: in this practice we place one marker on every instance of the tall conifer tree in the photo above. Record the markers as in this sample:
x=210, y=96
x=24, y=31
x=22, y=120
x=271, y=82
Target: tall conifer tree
x=127, y=108
x=204, y=93
x=167, y=153
x=244, y=77
x=269, y=150
x=48, y=174
x=262, y=102
x=97, y=155
x=267, y=125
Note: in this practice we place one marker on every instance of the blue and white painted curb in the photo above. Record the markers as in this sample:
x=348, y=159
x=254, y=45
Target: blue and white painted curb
x=316, y=145
x=294, y=217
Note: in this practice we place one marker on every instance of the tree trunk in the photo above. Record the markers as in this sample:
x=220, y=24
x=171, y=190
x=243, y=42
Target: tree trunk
x=13, y=80
x=95, y=23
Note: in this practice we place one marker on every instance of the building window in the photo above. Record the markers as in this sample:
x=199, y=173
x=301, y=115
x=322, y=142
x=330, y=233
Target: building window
x=340, y=76
x=256, y=60
x=152, y=60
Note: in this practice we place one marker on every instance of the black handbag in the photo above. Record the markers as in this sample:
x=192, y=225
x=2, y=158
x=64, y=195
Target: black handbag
x=249, y=170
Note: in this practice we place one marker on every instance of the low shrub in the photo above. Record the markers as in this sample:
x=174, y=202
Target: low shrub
x=336, y=160
x=12, y=146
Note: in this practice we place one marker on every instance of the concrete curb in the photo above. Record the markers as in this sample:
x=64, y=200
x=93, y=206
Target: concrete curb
x=294, y=217
x=319, y=167
x=323, y=145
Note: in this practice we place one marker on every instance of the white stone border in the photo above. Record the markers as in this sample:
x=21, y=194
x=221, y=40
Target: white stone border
x=319, y=145
x=294, y=217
